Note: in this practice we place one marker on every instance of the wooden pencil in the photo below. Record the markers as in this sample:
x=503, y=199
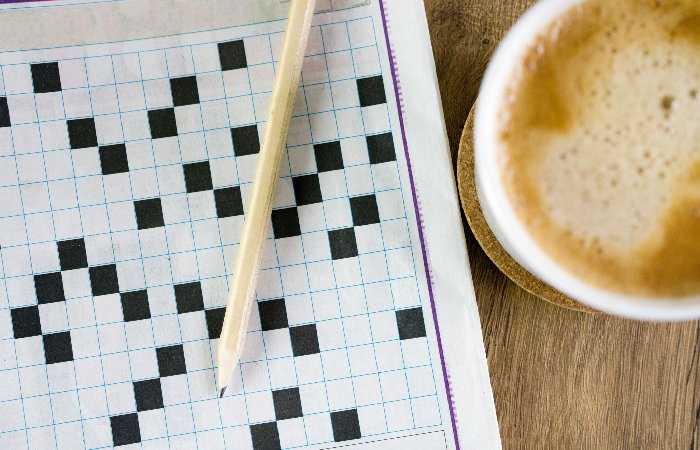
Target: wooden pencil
x=274, y=140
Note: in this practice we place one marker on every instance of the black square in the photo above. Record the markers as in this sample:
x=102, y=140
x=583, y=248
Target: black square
x=4, y=113
x=188, y=297
x=82, y=133
x=198, y=177
x=364, y=210
x=215, y=320
x=346, y=425
x=246, y=140
x=285, y=223
x=185, y=91
x=46, y=77
x=103, y=280
x=273, y=315
x=328, y=156
x=148, y=395
x=411, y=324
x=26, y=322
x=232, y=55
x=266, y=436
x=381, y=148
x=228, y=202
x=371, y=91
x=72, y=254
x=307, y=190
x=58, y=347
x=287, y=403
x=135, y=306
x=162, y=122
x=49, y=288
x=304, y=340
x=113, y=159
x=125, y=429
x=343, y=243
x=149, y=213
x=171, y=361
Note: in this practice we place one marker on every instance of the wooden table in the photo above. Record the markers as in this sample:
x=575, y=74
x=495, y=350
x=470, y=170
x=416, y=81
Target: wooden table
x=562, y=379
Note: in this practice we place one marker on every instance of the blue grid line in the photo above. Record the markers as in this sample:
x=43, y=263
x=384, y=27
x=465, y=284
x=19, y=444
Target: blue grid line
x=195, y=249
x=20, y=6
x=251, y=331
x=93, y=301
x=335, y=279
x=143, y=267
x=53, y=221
x=206, y=219
x=302, y=242
x=335, y=120
x=180, y=133
x=218, y=227
x=318, y=291
x=30, y=260
x=148, y=139
x=228, y=280
x=320, y=355
x=413, y=260
x=195, y=73
x=169, y=259
x=26, y=231
x=403, y=358
x=16, y=368
x=364, y=287
x=306, y=268
x=126, y=141
x=244, y=425
x=152, y=440
x=243, y=393
x=94, y=309
x=257, y=123
x=189, y=390
x=255, y=293
x=221, y=427
x=226, y=97
x=172, y=194
x=383, y=245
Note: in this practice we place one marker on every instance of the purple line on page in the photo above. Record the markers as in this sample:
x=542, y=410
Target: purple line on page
x=421, y=234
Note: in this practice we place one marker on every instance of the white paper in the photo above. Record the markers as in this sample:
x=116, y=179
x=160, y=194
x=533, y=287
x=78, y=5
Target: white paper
x=128, y=138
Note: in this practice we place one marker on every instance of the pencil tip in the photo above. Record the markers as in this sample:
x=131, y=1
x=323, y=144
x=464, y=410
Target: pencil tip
x=221, y=394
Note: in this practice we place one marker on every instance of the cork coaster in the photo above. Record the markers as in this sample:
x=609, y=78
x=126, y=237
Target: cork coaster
x=483, y=234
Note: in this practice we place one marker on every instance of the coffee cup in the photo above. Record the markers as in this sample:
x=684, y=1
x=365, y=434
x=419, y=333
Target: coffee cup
x=533, y=246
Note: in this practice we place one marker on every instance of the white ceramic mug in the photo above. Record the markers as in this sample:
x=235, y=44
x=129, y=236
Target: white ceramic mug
x=496, y=205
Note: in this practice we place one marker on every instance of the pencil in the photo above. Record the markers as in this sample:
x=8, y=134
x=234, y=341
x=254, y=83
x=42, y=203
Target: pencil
x=274, y=140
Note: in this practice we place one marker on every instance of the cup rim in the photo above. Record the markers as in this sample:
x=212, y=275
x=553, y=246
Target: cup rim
x=496, y=205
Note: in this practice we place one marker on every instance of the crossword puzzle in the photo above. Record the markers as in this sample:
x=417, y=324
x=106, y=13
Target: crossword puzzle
x=124, y=179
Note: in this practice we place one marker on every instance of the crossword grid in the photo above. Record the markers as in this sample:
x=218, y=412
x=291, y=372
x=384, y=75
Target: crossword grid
x=148, y=180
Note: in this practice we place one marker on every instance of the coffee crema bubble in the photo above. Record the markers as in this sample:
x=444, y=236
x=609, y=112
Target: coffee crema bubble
x=599, y=144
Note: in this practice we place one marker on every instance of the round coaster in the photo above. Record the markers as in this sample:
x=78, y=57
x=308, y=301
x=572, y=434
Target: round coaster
x=483, y=234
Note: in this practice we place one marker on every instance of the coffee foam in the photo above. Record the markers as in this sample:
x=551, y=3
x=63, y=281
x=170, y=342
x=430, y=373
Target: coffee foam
x=600, y=144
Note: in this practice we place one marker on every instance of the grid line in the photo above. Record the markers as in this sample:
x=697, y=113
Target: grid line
x=8, y=298
x=305, y=292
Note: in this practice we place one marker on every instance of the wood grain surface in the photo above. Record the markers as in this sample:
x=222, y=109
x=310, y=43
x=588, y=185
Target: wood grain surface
x=561, y=379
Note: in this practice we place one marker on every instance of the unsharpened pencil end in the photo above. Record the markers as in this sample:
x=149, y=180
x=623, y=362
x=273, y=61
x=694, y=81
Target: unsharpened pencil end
x=223, y=391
